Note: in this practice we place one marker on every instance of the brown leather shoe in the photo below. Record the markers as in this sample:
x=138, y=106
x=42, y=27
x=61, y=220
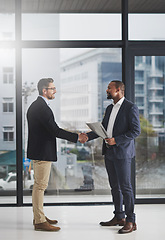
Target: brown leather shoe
x=45, y=226
x=128, y=227
x=114, y=222
x=49, y=221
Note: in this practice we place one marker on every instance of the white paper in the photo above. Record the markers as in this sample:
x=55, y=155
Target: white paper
x=98, y=128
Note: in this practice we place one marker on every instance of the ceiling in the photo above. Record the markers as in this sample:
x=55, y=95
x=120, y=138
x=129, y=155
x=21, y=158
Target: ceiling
x=83, y=6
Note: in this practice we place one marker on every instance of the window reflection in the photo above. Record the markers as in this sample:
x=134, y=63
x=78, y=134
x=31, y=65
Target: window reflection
x=7, y=122
x=150, y=98
x=81, y=78
x=7, y=27
x=84, y=80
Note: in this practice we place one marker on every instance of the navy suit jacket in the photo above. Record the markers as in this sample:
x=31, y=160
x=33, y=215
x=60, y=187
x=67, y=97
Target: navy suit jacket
x=42, y=132
x=126, y=129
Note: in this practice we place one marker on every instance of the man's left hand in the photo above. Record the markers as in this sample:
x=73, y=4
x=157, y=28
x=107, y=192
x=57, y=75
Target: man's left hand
x=110, y=141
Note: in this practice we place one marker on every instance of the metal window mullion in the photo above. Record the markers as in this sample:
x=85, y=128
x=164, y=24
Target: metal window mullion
x=125, y=69
x=18, y=103
x=125, y=40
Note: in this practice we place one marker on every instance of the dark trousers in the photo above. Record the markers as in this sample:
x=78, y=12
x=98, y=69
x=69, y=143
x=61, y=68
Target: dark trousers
x=119, y=173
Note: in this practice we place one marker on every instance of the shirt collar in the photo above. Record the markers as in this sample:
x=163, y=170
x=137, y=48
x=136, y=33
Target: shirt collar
x=45, y=99
x=119, y=102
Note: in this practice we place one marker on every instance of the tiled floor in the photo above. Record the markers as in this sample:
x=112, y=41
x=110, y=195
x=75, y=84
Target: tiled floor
x=81, y=223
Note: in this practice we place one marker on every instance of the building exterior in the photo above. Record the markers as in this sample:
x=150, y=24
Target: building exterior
x=34, y=68
x=84, y=81
x=150, y=89
x=7, y=100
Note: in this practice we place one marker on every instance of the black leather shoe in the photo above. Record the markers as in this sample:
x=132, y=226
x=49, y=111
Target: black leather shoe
x=114, y=222
x=128, y=227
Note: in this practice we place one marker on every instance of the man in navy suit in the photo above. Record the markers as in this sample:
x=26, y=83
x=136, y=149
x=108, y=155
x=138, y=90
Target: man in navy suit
x=122, y=123
x=42, y=133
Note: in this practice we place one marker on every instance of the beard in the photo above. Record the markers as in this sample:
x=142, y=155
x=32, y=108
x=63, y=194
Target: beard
x=109, y=96
x=51, y=97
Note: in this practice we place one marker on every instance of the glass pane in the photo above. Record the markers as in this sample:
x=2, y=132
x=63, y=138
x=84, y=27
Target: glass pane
x=40, y=26
x=90, y=26
x=4, y=107
x=146, y=26
x=7, y=20
x=150, y=98
x=71, y=26
x=10, y=107
x=81, y=78
x=47, y=66
x=7, y=128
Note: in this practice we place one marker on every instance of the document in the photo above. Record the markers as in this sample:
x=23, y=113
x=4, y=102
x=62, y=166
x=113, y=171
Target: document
x=98, y=128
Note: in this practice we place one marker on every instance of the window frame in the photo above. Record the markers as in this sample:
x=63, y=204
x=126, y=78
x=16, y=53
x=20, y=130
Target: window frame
x=129, y=50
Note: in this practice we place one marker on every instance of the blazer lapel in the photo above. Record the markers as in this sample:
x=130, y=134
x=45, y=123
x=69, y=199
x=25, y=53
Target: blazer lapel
x=108, y=116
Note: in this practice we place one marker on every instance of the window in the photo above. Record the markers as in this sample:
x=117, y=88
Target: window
x=8, y=75
x=139, y=89
x=139, y=60
x=8, y=134
x=79, y=87
x=71, y=26
x=13, y=179
x=8, y=105
x=146, y=26
x=86, y=100
x=139, y=76
x=139, y=101
x=7, y=22
x=149, y=97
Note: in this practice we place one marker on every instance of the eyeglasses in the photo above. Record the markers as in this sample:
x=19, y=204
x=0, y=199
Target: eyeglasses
x=53, y=89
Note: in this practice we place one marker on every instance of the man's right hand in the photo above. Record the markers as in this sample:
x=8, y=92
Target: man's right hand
x=82, y=137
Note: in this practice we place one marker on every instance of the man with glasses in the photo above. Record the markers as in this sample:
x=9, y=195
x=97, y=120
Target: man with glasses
x=42, y=133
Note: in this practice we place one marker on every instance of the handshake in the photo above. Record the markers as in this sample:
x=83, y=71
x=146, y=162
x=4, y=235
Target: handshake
x=82, y=137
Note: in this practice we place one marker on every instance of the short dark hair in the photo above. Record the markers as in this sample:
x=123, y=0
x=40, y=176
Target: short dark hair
x=119, y=84
x=44, y=83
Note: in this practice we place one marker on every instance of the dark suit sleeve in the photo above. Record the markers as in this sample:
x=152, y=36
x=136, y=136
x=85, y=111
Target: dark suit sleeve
x=92, y=135
x=134, y=127
x=48, y=122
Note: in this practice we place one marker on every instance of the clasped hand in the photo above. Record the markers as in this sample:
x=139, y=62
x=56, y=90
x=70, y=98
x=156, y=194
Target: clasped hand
x=110, y=141
x=82, y=137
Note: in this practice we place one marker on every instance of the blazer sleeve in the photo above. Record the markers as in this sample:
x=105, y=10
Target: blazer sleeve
x=48, y=121
x=134, y=127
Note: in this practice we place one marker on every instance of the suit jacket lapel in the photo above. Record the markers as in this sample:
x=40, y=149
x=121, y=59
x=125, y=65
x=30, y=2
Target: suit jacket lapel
x=108, y=116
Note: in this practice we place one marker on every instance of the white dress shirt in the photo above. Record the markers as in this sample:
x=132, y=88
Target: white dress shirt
x=46, y=100
x=113, y=115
